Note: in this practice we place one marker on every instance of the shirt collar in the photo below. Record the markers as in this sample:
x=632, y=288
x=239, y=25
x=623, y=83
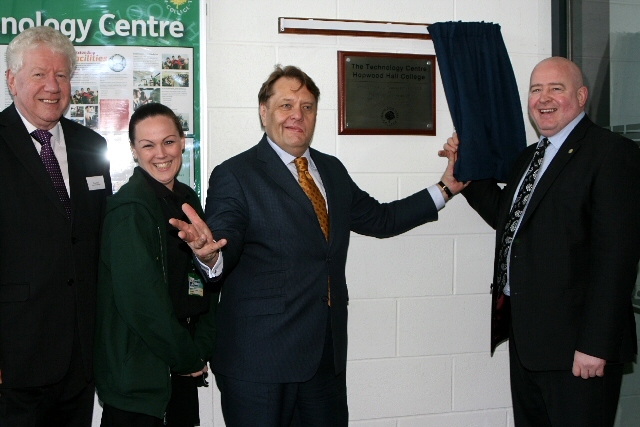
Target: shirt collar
x=558, y=139
x=55, y=131
x=288, y=158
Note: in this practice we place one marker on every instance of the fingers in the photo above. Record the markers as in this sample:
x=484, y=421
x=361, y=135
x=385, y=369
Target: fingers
x=197, y=374
x=191, y=213
x=587, y=366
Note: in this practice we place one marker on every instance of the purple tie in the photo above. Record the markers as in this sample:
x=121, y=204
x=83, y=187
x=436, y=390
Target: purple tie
x=53, y=167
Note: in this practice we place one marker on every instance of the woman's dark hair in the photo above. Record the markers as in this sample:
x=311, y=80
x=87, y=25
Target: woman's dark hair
x=151, y=110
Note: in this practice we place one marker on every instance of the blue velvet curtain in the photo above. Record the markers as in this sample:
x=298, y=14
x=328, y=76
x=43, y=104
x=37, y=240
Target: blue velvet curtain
x=483, y=97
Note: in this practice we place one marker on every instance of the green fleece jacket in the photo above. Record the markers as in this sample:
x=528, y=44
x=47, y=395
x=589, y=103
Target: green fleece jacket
x=138, y=337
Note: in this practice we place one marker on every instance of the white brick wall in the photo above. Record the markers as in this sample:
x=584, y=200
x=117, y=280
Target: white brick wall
x=419, y=311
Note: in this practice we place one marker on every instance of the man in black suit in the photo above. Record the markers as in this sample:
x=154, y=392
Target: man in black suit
x=281, y=346
x=53, y=187
x=566, y=257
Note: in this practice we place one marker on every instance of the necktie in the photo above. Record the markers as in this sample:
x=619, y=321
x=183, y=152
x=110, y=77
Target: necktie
x=53, y=167
x=313, y=193
x=517, y=210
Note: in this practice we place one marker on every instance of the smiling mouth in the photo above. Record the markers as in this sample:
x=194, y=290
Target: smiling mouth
x=50, y=101
x=164, y=165
x=548, y=110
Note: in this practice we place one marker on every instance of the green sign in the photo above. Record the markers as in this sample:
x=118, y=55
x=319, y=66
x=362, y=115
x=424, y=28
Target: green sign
x=129, y=52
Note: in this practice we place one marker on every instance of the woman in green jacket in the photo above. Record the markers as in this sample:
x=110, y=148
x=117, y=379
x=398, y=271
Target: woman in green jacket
x=156, y=306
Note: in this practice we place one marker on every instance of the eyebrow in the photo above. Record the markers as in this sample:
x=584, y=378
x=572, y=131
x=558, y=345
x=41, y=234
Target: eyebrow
x=547, y=84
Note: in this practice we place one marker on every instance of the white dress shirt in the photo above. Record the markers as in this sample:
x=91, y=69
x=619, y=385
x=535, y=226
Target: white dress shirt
x=57, y=144
x=288, y=160
x=555, y=142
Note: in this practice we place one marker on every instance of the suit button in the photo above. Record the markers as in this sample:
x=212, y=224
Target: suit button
x=70, y=282
x=325, y=299
x=73, y=240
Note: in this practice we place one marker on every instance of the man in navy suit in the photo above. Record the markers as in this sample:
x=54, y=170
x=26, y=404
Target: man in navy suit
x=281, y=347
x=52, y=194
x=570, y=262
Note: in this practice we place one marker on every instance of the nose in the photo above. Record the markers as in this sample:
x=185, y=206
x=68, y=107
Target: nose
x=161, y=151
x=51, y=83
x=296, y=112
x=544, y=95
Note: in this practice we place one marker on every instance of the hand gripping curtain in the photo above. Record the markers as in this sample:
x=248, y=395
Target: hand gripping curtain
x=483, y=99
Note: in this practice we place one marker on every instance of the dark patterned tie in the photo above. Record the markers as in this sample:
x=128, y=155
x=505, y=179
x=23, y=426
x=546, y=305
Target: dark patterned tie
x=517, y=211
x=313, y=193
x=53, y=167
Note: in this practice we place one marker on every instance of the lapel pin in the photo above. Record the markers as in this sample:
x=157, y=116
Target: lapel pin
x=571, y=151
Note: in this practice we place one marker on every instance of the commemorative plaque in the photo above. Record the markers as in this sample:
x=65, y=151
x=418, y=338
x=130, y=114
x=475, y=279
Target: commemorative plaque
x=386, y=93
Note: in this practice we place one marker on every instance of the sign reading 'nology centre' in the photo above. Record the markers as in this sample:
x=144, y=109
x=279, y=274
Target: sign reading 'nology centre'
x=107, y=22
x=78, y=29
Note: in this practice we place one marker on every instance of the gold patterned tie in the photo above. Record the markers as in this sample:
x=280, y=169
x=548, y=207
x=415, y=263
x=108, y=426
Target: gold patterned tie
x=313, y=193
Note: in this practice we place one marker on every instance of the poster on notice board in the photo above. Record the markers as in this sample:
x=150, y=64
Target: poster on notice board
x=129, y=53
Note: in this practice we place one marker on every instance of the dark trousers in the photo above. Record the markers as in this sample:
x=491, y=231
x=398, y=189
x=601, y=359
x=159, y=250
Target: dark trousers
x=114, y=417
x=68, y=403
x=183, y=408
x=558, y=399
x=319, y=402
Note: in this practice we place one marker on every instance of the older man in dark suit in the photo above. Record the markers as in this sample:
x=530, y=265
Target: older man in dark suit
x=286, y=211
x=54, y=179
x=567, y=250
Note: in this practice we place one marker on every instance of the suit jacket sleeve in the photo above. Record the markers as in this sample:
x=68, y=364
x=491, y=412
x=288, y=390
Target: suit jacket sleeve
x=615, y=248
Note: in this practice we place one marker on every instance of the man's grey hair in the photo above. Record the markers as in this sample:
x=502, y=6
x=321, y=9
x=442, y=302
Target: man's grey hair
x=35, y=37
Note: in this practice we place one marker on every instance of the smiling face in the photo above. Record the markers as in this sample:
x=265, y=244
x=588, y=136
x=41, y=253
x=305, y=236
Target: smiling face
x=556, y=95
x=289, y=116
x=41, y=89
x=158, y=148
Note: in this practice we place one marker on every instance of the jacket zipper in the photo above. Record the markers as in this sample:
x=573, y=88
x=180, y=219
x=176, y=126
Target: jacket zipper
x=164, y=272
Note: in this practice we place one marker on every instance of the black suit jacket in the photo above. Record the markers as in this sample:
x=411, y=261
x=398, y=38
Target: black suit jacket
x=575, y=255
x=48, y=264
x=273, y=307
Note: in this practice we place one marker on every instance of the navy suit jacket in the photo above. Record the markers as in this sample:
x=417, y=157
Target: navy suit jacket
x=574, y=257
x=48, y=264
x=273, y=308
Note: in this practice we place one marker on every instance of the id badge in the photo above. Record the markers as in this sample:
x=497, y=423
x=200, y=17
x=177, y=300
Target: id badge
x=195, y=285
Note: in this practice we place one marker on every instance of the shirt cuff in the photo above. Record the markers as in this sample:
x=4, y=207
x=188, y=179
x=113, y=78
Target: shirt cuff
x=215, y=271
x=436, y=195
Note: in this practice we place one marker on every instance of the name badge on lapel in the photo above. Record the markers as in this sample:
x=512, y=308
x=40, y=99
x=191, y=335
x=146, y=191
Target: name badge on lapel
x=95, y=182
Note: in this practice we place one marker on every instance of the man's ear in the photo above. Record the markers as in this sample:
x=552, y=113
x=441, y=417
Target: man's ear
x=11, y=82
x=583, y=94
x=263, y=114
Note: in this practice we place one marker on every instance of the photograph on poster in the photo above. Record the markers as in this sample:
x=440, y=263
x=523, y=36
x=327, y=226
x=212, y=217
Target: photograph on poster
x=76, y=111
x=91, y=117
x=184, y=121
x=83, y=95
x=175, y=62
x=175, y=79
x=146, y=78
x=143, y=96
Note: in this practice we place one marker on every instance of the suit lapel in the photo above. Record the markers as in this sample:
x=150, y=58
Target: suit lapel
x=74, y=165
x=329, y=188
x=273, y=166
x=20, y=142
x=567, y=150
